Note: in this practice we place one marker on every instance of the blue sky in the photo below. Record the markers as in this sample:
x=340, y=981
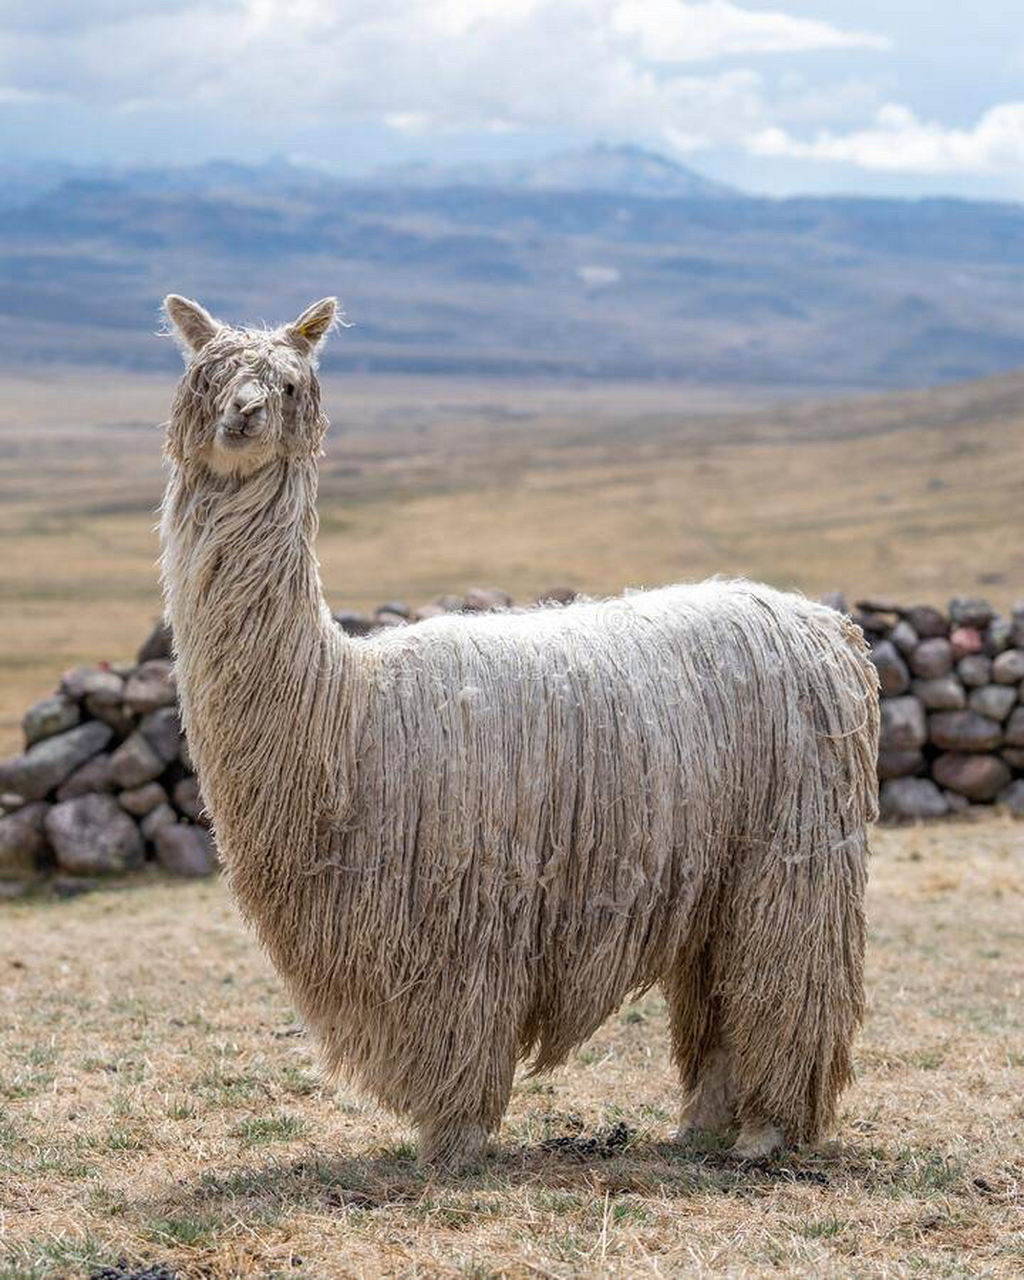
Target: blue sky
x=908, y=97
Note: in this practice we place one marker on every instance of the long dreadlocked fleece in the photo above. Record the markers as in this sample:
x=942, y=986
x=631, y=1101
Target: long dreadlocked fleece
x=465, y=842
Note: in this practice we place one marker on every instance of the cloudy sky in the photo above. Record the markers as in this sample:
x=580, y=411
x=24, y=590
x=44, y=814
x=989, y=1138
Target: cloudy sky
x=907, y=96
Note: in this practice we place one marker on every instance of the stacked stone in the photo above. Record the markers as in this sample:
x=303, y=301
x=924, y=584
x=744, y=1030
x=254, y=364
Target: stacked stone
x=952, y=686
x=104, y=782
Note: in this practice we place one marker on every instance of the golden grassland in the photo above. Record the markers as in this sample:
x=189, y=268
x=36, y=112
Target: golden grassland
x=161, y=1107
x=430, y=486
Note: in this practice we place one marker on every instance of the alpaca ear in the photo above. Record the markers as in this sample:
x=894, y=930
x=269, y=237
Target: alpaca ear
x=310, y=329
x=193, y=324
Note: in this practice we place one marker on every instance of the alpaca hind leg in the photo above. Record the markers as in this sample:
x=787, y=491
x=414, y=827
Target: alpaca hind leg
x=789, y=976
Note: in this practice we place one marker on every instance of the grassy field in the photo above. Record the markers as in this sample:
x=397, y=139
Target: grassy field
x=160, y=1107
x=433, y=486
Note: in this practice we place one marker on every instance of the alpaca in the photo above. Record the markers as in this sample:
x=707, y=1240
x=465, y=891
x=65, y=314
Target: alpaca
x=464, y=843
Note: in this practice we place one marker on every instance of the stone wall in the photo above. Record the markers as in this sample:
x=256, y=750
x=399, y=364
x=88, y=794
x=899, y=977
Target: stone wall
x=952, y=685
x=105, y=786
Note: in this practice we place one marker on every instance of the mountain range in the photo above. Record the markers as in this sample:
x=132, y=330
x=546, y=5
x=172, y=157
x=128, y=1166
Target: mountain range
x=612, y=262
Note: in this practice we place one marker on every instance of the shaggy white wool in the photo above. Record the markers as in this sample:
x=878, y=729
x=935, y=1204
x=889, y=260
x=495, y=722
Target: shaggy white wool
x=466, y=842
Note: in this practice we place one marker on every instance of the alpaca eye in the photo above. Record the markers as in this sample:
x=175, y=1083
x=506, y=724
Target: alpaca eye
x=289, y=388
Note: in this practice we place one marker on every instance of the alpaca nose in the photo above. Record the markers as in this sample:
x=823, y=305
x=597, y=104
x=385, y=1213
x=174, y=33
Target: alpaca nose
x=246, y=407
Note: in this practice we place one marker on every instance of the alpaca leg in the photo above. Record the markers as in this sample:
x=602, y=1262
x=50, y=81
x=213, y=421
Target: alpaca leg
x=454, y=1135
x=788, y=965
x=452, y=1143
x=708, y=1108
x=698, y=1050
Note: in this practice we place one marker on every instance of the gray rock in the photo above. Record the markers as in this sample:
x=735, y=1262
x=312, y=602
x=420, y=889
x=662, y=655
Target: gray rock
x=971, y=611
x=162, y=816
x=23, y=843
x=158, y=644
x=486, y=600
x=566, y=595
x=113, y=713
x=424, y=611
x=904, y=637
x=189, y=800
x=1012, y=798
x=49, y=716
x=449, y=603
x=943, y=693
x=893, y=675
x=1013, y=735
x=398, y=607
x=926, y=621
x=994, y=700
x=998, y=636
x=903, y=726
x=354, y=624
x=151, y=686
x=385, y=618
x=92, y=835
x=964, y=731
x=957, y=803
x=10, y=800
x=99, y=683
x=135, y=762
x=1014, y=757
x=46, y=764
x=978, y=777
x=93, y=776
x=932, y=658
x=899, y=764
x=1008, y=666
x=974, y=670
x=912, y=798
x=162, y=730
x=139, y=801
x=185, y=850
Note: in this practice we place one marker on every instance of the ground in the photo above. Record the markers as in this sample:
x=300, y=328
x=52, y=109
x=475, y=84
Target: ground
x=161, y=1107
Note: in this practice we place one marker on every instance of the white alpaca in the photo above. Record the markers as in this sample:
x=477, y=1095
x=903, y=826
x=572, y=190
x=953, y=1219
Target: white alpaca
x=465, y=842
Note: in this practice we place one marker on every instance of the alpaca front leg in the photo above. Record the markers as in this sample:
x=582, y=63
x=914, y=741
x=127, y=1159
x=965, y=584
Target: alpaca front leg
x=452, y=1143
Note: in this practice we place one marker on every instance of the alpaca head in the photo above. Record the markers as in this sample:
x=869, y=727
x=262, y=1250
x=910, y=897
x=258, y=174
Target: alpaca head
x=248, y=397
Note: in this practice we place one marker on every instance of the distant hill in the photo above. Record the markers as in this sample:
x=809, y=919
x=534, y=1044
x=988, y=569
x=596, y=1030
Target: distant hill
x=607, y=263
x=620, y=170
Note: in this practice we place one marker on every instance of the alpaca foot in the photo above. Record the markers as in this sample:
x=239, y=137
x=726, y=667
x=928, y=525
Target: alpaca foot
x=756, y=1141
x=452, y=1145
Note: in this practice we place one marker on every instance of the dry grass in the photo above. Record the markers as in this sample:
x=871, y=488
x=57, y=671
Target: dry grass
x=160, y=1106
x=431, y=486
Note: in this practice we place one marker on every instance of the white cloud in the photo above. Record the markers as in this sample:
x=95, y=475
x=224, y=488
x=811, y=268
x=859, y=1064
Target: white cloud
x=672, y=32
x=624, y=68
x=899, y=142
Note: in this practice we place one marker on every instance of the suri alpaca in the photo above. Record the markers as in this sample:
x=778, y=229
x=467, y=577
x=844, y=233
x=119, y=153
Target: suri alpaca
x=464, y=843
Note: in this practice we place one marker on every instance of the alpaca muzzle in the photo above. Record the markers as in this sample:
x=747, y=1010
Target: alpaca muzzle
x=245, y=418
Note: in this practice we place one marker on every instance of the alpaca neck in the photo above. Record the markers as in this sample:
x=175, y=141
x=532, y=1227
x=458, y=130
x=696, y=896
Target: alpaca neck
x=260, y=665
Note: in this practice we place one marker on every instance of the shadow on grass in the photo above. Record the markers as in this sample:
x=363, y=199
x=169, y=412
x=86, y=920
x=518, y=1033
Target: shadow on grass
x=390, y=1179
